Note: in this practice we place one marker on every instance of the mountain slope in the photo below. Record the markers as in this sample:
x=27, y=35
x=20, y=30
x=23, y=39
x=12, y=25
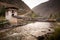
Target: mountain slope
x=22, y=6
x=48, y=8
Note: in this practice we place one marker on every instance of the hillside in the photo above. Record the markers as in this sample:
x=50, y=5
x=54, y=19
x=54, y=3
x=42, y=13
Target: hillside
x=46, y=9
x=23, y=8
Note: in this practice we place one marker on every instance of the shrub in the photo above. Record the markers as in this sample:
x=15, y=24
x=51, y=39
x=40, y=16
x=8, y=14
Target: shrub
x=55, y=35
x=2, y=11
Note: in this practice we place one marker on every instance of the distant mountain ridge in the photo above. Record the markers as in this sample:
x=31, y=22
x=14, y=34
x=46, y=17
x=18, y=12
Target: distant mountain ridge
x=47, y=8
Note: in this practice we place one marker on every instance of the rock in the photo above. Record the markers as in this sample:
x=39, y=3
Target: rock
x=28, y=32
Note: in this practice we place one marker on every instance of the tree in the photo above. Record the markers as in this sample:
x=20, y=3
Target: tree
x=2, y=11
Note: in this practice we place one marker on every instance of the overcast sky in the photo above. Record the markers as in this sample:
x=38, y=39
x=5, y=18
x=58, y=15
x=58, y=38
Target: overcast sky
x=33, y=3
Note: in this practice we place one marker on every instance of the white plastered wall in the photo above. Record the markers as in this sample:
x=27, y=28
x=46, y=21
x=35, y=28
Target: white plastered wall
x=9, y=17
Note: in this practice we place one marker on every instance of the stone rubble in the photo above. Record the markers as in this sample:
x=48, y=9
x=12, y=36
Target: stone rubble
x=30, y=31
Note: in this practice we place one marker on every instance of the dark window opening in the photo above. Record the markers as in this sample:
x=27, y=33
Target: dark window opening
x=12, y=14
x=12, y=11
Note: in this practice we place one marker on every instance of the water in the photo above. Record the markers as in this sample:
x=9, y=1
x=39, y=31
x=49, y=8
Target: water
x=27, y=32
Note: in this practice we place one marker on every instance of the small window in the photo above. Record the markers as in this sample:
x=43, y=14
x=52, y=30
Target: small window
x=12, y=14
x=12, y=11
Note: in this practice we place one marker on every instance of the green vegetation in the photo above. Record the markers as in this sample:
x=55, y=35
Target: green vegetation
x=2, y=18
x=3, y=23
x=56, y=34
x=32, y=15
x=2, y=11
x=2, y=15
x=55, y=15
x=52, y=16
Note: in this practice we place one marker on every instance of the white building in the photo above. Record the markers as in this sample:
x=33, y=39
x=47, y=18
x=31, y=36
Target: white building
x=10, y=12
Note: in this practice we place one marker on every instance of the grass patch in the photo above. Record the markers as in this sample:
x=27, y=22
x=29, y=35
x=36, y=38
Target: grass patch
x=2, y=18
x=56, y=34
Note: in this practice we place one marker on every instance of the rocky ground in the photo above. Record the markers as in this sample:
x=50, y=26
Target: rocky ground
x=27, y=32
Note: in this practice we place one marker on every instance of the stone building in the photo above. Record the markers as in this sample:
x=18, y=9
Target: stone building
x=12, y=9
x=10, y=12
